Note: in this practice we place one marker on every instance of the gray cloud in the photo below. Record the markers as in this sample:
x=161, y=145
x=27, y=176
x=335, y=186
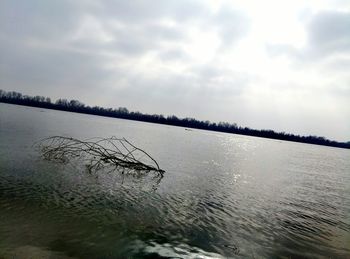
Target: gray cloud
x=328, y=33
x=38, y=18
x=142, y=11
x=50, y=71
x=147, y=55
x=140, y=39
x=231, y=24
x=173, y=54
x=38, y=51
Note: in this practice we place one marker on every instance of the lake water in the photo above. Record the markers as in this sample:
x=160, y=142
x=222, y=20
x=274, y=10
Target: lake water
x=222, y=196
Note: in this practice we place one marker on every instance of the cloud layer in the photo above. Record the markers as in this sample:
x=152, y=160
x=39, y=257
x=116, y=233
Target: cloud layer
x=263, y=65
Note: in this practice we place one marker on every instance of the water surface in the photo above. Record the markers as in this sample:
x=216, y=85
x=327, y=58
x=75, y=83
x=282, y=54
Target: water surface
x=222, y=195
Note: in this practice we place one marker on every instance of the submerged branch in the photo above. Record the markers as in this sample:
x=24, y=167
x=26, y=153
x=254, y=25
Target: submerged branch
x=98, y=153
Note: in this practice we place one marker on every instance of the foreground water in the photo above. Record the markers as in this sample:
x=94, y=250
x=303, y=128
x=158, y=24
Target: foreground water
x=222, y=195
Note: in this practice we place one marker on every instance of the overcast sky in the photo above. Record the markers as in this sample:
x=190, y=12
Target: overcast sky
x=281, y=65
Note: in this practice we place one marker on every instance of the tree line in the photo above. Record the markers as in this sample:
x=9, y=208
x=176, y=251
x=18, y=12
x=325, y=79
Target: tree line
x=123, y=113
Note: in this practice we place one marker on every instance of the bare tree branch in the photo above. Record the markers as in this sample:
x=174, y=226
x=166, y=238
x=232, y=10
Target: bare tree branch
x=98, y=153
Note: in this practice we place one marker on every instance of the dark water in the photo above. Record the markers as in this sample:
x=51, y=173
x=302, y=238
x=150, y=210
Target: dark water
x=222, y=195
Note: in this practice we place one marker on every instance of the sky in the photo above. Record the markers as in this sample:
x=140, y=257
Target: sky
x=272, y=64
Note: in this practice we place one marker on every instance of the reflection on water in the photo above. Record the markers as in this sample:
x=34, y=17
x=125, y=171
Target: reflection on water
x=222, y=195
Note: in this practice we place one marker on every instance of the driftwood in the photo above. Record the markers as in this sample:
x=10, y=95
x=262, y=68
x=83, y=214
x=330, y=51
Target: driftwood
x=99, y=153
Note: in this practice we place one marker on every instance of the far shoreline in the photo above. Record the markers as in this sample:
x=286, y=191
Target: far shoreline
x=91, y=111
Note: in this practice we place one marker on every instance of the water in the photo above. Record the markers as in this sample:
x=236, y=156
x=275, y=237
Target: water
x=222, y=196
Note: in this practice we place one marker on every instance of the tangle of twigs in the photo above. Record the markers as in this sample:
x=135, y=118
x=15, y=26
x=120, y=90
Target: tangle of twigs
x=98, y=153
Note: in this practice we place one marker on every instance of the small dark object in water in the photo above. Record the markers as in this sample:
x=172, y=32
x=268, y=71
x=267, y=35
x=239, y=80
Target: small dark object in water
x=98, y=153
x=234, y=248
